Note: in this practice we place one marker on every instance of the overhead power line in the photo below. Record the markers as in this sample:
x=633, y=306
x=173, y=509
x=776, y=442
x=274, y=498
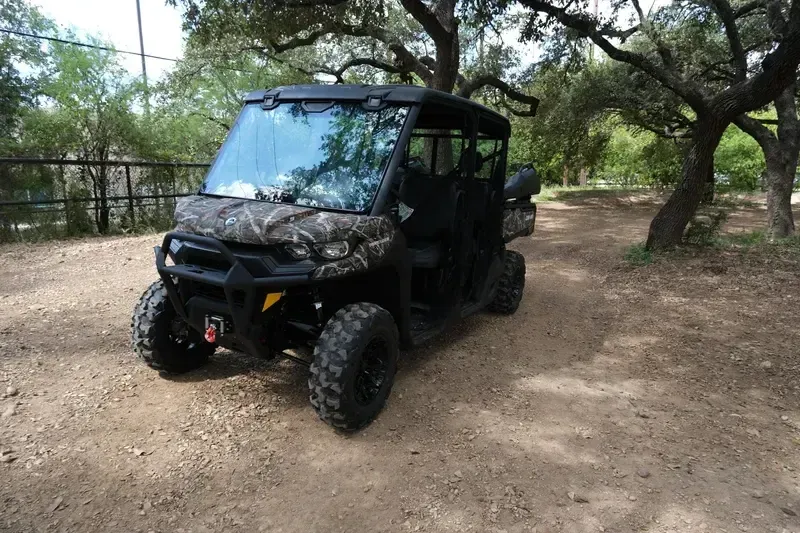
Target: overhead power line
x=105, y=48
x=85, y=45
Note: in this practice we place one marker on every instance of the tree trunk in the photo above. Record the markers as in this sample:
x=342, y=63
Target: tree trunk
x=96, y=205
x=782, y=170
x=445, y=73
x=583, y=176
x=102, y=189
x=780, y=154
x=780, y=222
x=708, y=191
x=666, y=229
x=566, y=175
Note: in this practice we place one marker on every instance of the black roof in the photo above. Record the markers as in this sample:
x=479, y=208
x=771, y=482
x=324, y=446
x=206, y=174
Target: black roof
x=401, y=94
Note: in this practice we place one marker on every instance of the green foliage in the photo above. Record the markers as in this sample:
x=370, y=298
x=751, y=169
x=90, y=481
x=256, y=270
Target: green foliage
x=552, y=193
x=643, y=160
x=568, y=130
x=638, y=255
x=757, y=242
x=19, y=59
x=743, y=239
x=78, y=221
x=81, y=103
x=738, y=162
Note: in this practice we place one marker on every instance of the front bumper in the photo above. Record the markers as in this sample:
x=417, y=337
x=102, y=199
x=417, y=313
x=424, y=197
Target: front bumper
x=241, y=289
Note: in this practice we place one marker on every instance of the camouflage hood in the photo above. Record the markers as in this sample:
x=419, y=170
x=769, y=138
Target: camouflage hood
x=256, y=222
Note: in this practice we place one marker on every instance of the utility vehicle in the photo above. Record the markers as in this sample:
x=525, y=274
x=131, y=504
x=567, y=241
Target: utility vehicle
x=354, y=221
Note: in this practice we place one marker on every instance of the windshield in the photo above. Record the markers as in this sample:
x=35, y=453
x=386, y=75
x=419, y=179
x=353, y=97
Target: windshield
x=316, y=154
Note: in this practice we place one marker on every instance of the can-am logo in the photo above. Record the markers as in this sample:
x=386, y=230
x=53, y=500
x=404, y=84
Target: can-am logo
x=231, y=221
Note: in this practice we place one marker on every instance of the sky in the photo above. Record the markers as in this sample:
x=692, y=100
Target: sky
x=115, y=21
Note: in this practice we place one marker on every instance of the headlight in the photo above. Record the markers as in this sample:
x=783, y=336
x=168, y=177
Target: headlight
x=333, y=250
x=298, y=250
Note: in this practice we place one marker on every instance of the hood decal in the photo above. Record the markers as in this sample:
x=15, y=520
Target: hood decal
x=257, y=222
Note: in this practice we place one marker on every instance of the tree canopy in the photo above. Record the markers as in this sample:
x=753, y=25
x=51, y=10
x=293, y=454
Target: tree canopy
x=629, y=98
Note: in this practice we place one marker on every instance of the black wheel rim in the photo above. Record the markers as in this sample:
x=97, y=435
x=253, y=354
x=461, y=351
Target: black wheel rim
x=372, y=371
x=181, y=335
x=516, y=292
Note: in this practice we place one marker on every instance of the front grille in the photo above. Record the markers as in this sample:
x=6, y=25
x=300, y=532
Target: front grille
x=212, y=260
x=216, y=293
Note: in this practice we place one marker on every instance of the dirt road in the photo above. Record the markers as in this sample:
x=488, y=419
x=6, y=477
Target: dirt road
x=657, y=399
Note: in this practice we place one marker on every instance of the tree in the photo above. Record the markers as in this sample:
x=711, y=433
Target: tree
x=17, y=54
x=780, y=153
x=204, y=93
x=397, y=41
x=570, y=130
x=93, y=94
x=715, y=106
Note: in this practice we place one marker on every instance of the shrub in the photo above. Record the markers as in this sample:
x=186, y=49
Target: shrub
x=703, y=229
x=638, y=255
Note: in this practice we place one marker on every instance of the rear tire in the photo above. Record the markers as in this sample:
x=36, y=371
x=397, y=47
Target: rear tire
x=355, y=361
x=162, y=339
x=510, y=285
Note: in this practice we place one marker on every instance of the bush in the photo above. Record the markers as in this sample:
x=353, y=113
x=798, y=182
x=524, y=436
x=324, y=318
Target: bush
x=638, y=255
x=703, y=229
x=78, y=221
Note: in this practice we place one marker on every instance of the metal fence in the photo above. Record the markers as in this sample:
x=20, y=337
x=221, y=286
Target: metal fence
x=50, y=198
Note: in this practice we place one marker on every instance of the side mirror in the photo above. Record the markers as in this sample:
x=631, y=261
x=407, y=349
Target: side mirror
x=522, y=184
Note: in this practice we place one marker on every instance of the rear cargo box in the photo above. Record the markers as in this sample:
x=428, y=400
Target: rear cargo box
x=519, y=217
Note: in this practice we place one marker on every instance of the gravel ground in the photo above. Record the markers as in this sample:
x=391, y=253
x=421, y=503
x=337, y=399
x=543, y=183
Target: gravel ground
x=663, y=398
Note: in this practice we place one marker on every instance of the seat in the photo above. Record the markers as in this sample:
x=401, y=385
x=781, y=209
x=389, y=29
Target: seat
x=432, y=199
x=426, y=254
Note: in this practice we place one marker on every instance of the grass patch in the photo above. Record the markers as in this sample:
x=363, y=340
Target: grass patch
x=742, y=240
x=638, y=255
x=757, y=241
x=732, y=200
x=552, y=193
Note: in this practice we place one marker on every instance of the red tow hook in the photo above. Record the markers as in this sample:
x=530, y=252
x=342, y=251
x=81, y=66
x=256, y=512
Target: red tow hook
x=211, y=334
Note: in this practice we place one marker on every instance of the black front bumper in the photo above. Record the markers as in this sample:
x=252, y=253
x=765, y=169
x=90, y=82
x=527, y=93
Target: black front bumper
x=240, y=286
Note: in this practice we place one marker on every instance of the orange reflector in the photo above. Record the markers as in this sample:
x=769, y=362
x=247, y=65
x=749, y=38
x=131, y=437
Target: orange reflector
x=270, y=300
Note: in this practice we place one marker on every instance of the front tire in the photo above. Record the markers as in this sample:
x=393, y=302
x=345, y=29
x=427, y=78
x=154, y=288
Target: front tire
x=162, y=339
x=510, y=285
x=355, y=361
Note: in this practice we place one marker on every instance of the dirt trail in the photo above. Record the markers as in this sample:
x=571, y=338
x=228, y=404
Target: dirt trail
x=658, y=399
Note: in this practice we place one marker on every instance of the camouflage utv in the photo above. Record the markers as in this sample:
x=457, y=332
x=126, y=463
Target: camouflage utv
x=337, y=226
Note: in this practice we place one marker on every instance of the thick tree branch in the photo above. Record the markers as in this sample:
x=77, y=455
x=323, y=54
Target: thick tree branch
x=779, y=70
x=362, y=61
x=427, y=19
x=297, y=42
x=588, y=27
x=622, y=35
x=407, y=62
x=269, y=55
x=647, y=28
x=728, y=18
x=470, y=86
x=308, y=3
x=666, y=133
x=775, y=19
x=755, y=129
x=724, y=74
x=749, y=8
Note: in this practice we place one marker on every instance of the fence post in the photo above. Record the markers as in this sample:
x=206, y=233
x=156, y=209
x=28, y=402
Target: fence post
x=174, y=199
x=130, y=194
